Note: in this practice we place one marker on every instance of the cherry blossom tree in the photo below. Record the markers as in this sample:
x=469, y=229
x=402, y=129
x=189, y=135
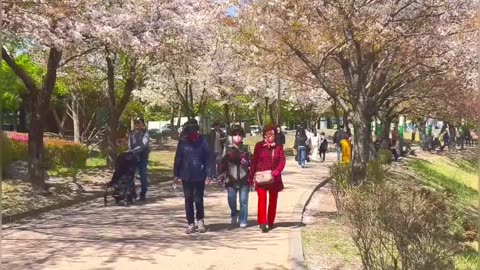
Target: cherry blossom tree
x=51, y=28
x=359, y=52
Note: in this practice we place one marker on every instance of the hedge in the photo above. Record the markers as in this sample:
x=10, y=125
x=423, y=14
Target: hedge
x=58, y=153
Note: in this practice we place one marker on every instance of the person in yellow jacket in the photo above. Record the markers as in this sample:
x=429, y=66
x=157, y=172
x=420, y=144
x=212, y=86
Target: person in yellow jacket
x=346, y=151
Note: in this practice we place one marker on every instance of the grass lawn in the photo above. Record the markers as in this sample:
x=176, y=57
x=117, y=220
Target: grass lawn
x=458, y=176
x=289, y=141
x=330, y=246
x=445, y=175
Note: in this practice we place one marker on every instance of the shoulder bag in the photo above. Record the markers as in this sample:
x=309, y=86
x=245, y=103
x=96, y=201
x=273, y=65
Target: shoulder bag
x=264, y=177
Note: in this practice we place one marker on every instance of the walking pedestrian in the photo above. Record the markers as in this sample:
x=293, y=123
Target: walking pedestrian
x=323, y=146
x=301, y=146
x=138, y=141
x=190, y=168
x=280, y=137
x=266, y=174
x=216, y=143
x=235, y=164
x=339, y=136
x=314, y=143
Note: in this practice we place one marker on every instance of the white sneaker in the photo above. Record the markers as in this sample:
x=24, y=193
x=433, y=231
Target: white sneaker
x=201, y=226
x=243, y=225
x=191, y=228
x=234, y=220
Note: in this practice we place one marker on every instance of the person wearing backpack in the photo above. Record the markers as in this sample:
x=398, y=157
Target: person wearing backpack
x=138, y=141
x=190, y=169
x=235, y=164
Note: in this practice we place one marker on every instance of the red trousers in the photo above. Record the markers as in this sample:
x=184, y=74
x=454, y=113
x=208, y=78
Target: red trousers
x=262, y=206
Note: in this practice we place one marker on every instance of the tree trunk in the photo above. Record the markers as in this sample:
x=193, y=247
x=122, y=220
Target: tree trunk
x=259, y=116
x=60, y=123
x=345, y=121
x=22, y=119
x=179, y=118
x=36, y=159
x=76, y=122
x=226, y=110
x=336, y=114
x=112, y=127
x=112, y=122
x=385, y=139
x=270, y=110
x=172, y=115
x=41, y=103
x=361, y=146
x=279, y=103
x=116, y=110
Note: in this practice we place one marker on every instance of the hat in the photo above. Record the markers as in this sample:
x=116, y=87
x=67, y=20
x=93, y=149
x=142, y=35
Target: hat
x=237, y=130
x=139, y=120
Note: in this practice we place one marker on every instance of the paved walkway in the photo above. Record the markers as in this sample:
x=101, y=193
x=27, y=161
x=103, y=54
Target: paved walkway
x=152, y=236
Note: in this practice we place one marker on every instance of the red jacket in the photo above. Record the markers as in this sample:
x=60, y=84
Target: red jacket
x=262, y=161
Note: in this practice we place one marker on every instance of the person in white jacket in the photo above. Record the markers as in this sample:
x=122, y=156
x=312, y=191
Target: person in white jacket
x=314, y=142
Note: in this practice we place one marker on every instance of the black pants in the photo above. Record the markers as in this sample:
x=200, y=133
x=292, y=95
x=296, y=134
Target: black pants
x=193, y=192
x=323, y=152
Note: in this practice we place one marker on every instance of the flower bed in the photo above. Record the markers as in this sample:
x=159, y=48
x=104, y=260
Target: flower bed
x=58, y=153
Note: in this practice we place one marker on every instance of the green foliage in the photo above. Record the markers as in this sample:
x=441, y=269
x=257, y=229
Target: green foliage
x=11, y=87
x=19, y=150
x=384, y=156
x=58, y=153
x=61, y=153
x=437, y=177
x=6, y=149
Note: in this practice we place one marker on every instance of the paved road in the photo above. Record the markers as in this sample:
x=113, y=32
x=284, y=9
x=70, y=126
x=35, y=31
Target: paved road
x=152, y=236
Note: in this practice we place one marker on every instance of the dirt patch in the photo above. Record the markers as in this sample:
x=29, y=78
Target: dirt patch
x=326, y=241
x=18, y=197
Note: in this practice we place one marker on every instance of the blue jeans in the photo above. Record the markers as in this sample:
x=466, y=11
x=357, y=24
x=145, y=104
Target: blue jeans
x=142, y=171
x=339, y=152
x=302, y=155
x=232, y=202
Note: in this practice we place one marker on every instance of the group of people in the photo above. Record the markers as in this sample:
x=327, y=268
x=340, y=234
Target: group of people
x=199, y=158
x=311, y=147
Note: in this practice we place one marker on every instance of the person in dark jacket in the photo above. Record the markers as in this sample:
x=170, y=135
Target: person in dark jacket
x=190, y=168
x=323, y=146
x=301, y=146
x=138, y=144
x=280, y=137
x=338, y=136
x=235, y=164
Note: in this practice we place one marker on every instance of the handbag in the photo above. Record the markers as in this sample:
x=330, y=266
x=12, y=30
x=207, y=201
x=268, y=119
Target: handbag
x=264, y=177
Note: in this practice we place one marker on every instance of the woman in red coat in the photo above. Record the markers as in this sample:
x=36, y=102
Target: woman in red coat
x=268, y=157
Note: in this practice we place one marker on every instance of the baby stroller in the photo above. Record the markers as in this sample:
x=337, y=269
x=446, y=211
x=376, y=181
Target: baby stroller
x=123, y=180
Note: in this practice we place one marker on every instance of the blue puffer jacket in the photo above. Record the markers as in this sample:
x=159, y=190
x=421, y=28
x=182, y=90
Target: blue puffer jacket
x=191, y=160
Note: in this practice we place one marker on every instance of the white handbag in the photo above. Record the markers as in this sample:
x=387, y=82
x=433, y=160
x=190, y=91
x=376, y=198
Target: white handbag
x=264, y=177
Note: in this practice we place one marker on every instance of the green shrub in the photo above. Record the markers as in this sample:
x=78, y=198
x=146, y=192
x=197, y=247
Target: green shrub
x=62, y=153
x=401, y=227
x=384, y=156
x=6, y=151
x=19, y=150
x=58, y=153
x=341, y=175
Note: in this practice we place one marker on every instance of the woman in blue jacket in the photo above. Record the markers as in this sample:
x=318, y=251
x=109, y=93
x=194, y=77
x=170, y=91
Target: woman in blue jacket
x=190, y=168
